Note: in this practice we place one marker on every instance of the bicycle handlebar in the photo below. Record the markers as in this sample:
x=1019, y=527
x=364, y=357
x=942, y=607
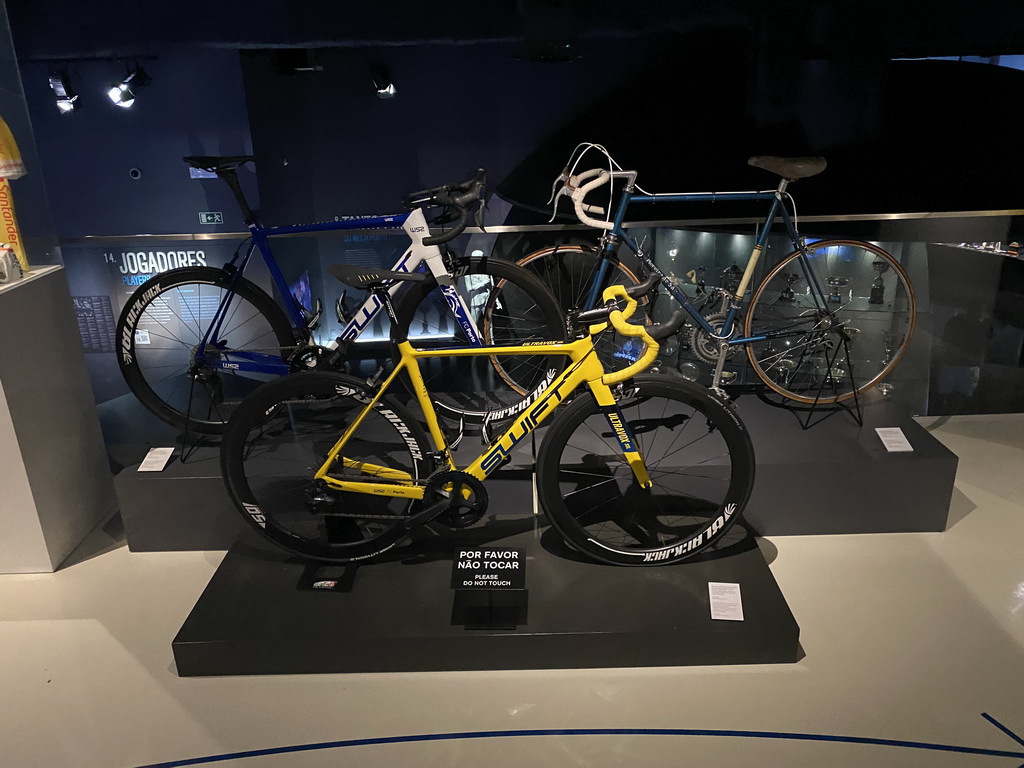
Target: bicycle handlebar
x=620, y=304
x=580, y=192
x=462, y=196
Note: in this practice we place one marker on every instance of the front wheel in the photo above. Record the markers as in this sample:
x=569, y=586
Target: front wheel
x=159, y=333
x=696, y=450
x=838, y=318
x=283, y=433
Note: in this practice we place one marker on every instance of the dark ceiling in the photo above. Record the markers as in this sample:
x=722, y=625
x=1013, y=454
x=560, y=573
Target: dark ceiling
x=45, y=29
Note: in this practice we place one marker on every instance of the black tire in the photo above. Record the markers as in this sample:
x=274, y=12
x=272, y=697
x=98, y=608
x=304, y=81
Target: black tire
x=811, y=367
x=281, y=435
x=590, y=495
x=569, y=271
x=510, y=306
x=171, y=311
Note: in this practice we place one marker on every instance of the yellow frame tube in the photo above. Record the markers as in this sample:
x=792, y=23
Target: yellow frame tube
x=586, y=368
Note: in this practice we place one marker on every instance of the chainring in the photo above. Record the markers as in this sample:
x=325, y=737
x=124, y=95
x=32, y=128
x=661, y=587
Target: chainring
x=705, y=346
x=467, y=497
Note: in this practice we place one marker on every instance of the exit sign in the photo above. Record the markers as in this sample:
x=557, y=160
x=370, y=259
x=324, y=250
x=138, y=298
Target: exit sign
x=211, y=217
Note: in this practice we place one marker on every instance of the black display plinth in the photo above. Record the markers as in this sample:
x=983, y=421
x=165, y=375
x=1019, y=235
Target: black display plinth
x=183, y=507
x=251, y=619
x=837, y=477
x=186, y=507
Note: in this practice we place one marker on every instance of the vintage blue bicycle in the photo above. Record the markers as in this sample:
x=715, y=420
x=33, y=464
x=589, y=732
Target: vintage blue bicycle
x=825, y=323
x=193, y=342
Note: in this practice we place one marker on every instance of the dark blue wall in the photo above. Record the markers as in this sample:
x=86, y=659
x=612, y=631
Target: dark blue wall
x=327, y=145
x=195, y=105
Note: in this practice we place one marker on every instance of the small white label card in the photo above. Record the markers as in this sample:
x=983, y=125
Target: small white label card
x=155, y=460
x=726, y=603
x=893, y=439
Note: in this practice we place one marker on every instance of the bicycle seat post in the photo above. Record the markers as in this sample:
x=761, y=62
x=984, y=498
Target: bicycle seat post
x=230, y=177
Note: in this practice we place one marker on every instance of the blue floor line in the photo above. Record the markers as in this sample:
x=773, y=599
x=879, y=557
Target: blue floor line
x=1003, y=728
x=598, y=732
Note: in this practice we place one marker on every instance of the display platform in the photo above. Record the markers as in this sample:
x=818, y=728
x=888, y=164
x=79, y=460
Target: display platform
x=838, y=477
x=185, y=507
x=252, y=620
x=833, y=478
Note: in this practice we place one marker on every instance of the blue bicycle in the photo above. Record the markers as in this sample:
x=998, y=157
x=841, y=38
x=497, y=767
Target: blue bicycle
x=827, y=322
x=193, y=342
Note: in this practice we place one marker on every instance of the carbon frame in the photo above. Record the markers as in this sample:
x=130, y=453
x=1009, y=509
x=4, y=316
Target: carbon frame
x=586, y=369
x=415, y=225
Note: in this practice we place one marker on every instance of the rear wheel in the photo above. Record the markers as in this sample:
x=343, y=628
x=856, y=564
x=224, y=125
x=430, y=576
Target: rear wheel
x=161, y=327
x=570, y=272
x=697, y=452
x=281, y=435
x=839, y=341
x=509, y=306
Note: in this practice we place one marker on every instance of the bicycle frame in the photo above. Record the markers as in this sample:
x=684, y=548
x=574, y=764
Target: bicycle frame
x=586, y=369
x=414, y=223
x=616, y=233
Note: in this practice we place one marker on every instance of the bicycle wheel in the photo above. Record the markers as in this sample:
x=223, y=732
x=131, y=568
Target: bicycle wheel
x=164, y=321
x=697, y=452
x=569, y=272
x=281, y=435
x=867, y=297
x=509, y=307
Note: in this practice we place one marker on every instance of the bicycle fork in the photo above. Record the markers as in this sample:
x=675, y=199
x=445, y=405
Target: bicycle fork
x=620, y=428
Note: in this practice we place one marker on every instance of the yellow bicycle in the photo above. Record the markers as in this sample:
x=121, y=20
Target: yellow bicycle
x=634, y=470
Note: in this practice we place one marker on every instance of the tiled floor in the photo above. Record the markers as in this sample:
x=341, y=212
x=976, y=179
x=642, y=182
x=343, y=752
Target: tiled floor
x=909, y=639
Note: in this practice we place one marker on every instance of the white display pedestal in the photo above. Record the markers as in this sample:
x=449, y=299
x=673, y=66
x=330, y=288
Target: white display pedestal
x=55, y=481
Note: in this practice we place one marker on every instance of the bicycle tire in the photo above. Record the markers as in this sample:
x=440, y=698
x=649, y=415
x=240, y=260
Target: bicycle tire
x=510, y=306
x=171, y=308
x=591, y=498
x=811, y=368
x=280, y=436
x=569, y=271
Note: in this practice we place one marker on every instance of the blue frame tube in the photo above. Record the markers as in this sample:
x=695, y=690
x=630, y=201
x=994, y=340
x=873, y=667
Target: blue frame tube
x=761, y=241
x=261, y=363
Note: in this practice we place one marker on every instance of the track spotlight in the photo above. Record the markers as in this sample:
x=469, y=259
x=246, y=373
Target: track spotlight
x=382, y=81
x=66, y=97
x=123, y=94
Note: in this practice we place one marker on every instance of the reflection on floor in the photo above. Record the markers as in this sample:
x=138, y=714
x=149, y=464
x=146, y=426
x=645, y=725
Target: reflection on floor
x=909, y=639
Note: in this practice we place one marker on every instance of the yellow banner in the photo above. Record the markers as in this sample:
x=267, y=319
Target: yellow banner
x=9, y=225
x=11, y=166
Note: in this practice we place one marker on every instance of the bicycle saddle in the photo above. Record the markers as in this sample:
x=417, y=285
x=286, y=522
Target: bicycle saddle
x=790, y=168
x=215, y=164
x=366, y=277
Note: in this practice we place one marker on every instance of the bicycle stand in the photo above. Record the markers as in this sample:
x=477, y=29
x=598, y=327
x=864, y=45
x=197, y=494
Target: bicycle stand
x=855, y=412
x=816, y=407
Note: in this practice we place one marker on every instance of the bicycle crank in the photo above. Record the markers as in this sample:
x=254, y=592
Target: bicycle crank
x=457, y=497
x=709, y=348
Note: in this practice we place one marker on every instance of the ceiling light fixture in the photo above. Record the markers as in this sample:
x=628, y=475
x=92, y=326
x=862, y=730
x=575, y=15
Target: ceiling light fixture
x=123, y=94
x=66, y=96
x=382, y=81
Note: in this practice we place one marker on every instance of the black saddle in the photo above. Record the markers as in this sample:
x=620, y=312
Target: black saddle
x=367, y=278
x=790, y=168
x=217, y=164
